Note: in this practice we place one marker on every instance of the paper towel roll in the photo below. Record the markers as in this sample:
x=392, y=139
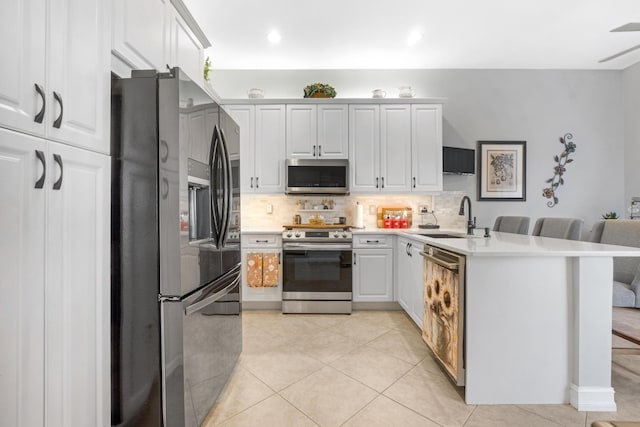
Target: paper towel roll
x=359, y=216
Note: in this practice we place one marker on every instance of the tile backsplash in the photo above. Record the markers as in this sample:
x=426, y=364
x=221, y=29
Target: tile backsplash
x=272, y=211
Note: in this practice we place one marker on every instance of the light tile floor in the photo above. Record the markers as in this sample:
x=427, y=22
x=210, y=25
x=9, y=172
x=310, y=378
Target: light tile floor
x=372, y=369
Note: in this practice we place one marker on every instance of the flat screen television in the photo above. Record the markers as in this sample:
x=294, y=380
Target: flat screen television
x=459, y=161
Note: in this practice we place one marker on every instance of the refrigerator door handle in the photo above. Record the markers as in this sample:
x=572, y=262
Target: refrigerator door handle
x=198, y=304
x=213, y=193
x=226, y=214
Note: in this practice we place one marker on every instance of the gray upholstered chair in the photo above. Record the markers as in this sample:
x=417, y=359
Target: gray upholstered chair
x=626, y=271
x=560, y=228
x=512, y=224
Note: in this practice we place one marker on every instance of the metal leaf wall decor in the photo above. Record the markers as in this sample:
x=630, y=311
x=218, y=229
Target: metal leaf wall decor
x=559, y=170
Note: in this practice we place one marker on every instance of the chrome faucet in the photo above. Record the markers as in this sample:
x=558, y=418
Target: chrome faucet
x=471, y=224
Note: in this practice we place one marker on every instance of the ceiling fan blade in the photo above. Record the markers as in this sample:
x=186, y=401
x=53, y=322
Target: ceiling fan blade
x=624, y=52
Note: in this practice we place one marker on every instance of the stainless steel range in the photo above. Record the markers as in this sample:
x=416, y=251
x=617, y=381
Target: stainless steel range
x=317, y=270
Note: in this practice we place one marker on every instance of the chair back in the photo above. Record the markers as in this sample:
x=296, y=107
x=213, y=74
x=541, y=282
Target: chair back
x=560, y=228
x=623, y=232
x=512, y=224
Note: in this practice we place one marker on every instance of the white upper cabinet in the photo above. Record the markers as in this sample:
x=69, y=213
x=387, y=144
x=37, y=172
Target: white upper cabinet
x=55, y=82
x=426, y=147
x=22, y=86
x=317, y=131
x=262, y=146
x=364, y=148
x=333, y=131
x=185, y=51
x=140, y=32
x=302, y=137
x=395, y=148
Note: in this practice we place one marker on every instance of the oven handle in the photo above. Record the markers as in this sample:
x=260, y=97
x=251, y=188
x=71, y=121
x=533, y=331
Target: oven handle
x=315, y=247
x=448, y=265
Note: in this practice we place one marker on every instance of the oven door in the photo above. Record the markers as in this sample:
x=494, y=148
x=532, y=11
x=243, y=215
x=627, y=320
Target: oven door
x=317, y=272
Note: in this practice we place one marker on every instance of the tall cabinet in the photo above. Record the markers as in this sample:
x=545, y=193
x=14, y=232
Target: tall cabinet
x=55, y=214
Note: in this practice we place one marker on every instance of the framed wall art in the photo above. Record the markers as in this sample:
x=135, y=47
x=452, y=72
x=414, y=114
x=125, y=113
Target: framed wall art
x=502, y=170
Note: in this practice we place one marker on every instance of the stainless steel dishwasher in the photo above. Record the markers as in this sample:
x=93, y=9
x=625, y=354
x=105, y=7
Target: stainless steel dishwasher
x=443, y=323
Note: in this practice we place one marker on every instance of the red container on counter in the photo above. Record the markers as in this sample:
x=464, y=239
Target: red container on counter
x=404, y=222
x=387, y=223
x=395, y=223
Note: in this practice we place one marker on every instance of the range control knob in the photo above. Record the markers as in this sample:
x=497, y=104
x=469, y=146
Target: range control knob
x=297, y=234
x=288, y=234
x=344, y=235
x=336, y=235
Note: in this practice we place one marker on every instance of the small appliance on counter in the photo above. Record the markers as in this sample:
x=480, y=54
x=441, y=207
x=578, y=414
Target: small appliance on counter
x=425, y=221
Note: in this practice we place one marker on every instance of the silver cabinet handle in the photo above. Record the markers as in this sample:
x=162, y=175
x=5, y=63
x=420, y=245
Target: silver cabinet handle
x=319, y=150
x=257, y=186
x=382, y=179
x=376, y=182
x=354, y=259
x=414, y=182
x=251, y=185
x=314, y=151
x=373, y=241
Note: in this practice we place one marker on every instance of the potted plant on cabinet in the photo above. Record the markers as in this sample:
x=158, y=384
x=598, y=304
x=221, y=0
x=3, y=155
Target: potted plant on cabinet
x=319, y=90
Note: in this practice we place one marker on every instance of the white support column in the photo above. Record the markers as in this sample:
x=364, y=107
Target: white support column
x=590, y=389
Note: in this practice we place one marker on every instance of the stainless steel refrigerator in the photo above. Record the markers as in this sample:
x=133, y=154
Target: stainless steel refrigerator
x=176, y=306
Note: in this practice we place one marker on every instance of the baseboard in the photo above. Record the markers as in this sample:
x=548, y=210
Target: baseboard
x=592, y=399
x=384, y=305
x=262, y=305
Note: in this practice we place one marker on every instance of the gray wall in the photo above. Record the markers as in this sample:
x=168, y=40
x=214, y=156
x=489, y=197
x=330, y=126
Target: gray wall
x=533, y=105
x=631, y=88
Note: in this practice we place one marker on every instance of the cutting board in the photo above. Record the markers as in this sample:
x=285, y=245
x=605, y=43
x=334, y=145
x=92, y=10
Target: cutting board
x=392, y=210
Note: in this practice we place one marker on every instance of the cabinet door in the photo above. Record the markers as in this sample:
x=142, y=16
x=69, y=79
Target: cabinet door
x=426, y=147
x=270, y=269
x=78, y=98
x=22, y=30
x=395, y=148
x=403, y=268
x=270, y=148
x=416, y=284
x=77, y=314
x=140, y=29
x=333, y=131
x=185, y=49
x=364, y=148
x=302, y=125
x=373, y=275
x=244, y=116
x=22, y=267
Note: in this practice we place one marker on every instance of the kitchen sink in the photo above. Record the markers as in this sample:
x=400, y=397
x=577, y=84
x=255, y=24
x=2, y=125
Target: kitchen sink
x=442, y=235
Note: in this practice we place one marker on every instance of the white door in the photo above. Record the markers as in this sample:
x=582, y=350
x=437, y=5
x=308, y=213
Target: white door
x=364, y=148
x=22, y=267
x=373, y=275
x=78, y=96
x=395, y=148
x=302, y=125
x=270, y=148
x=140, y=29
x=426, y=147
x=333, y=131
x=77, y=313
x=185, y=49
x=22, y=75
x=244, y=116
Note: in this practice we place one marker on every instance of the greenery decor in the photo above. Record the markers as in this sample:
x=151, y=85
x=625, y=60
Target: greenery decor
x=319, y=90
x=207, y=69
x=610, y=215
x=559, y=170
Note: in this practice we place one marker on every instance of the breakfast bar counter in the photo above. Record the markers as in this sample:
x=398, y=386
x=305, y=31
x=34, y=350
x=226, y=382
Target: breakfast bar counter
x=537, y=316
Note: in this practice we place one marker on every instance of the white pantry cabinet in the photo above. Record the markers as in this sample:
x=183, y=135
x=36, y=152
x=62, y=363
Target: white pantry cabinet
x=373, y=268
x=317, y=131
x=57, y=326
x=55, y=81
x=262, y=146
x=426, y=147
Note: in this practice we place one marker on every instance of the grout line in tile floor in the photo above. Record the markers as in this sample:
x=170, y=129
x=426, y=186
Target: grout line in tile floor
x=412, y=369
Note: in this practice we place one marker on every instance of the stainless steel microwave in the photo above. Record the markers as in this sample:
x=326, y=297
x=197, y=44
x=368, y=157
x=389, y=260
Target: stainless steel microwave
x=317, y=176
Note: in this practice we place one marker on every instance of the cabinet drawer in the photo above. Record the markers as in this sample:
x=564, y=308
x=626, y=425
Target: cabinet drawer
x=262, y=241
x=373, y=241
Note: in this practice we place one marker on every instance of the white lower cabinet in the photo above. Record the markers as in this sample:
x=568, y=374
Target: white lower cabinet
x=409, y=281
x=55, y=329
x=372, y=268
x=262, y=267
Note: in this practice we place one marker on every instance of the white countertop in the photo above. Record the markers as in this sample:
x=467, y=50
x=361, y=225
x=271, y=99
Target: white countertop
x=499, y=244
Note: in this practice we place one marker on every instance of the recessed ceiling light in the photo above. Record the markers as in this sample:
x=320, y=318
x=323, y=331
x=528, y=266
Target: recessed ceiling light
x=414, y=37
x=274, y=37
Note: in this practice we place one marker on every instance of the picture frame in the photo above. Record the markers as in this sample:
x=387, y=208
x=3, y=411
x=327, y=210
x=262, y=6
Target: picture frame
x=502, y=171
